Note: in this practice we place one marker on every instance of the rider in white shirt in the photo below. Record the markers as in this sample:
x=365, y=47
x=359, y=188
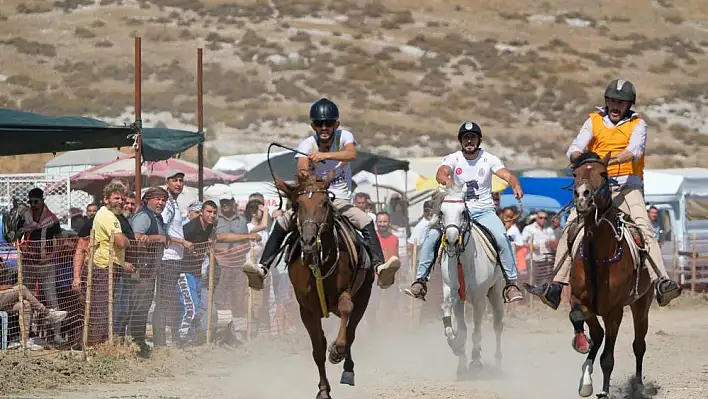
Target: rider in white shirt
x=336, y=147
x=473, y=167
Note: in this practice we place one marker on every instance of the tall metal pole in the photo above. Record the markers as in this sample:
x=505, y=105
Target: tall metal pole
x=200, y=123
x=138, y=117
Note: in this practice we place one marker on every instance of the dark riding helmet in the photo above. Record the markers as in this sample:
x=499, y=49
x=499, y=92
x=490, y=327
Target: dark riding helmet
x=621, y=90
x=324, y=110
x=585, y=158
x=469, y=127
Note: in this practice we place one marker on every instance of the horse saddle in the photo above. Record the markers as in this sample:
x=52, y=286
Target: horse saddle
x=485, y=239
x=630, y=233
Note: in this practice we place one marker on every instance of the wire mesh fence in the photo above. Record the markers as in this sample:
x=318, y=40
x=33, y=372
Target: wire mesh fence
x=68, y=293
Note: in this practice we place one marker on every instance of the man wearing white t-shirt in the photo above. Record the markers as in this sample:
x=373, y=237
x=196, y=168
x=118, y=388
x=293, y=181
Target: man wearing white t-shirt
x=336, y=147
x=421, y=228
x=541, y=236
x=473, y=167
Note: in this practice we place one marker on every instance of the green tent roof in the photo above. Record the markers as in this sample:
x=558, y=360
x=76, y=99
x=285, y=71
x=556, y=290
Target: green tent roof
x=29, y=133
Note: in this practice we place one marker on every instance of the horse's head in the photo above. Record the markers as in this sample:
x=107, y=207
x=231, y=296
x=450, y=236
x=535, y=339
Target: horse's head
x=453, y=214
x=312, y=204
x=592, y=185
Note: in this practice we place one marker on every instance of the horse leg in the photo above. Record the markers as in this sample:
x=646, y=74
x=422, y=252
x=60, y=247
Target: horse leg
x=457, y=343
x=607, y=360
x=338, y=348
x=313, y=324
x=581, y=343
x=496, y=300
x=597, y=334
x=479, y=307
x=447, y=302
x=640, y=314
x=362, y=301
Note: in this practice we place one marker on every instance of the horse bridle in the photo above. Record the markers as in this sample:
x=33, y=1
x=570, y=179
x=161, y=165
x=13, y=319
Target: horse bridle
x=320, y=258
x=462, y=231
x=603, y=190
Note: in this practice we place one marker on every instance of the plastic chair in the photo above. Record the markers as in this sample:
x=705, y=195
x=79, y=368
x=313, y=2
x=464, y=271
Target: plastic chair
x=3, y=316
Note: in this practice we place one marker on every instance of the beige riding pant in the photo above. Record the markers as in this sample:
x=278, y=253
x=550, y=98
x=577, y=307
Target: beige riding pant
x=355, y=215
x=630, y=201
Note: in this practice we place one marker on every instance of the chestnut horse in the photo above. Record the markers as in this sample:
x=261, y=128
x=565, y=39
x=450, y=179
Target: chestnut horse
x=605, y=276
x=321, y=252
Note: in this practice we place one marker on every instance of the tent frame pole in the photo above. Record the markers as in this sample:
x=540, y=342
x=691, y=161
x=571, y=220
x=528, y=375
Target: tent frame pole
x=200, y=123
x=138, y=117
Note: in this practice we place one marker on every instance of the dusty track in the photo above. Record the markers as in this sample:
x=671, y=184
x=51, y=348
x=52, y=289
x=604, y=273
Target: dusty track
x=538, y=363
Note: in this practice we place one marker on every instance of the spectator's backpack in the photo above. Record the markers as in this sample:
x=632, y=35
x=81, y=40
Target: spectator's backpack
x=11, y=221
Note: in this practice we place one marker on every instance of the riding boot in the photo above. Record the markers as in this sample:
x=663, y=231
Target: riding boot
x=666, y=290
x=256, y=273
x=386, y=270
x=549, y=293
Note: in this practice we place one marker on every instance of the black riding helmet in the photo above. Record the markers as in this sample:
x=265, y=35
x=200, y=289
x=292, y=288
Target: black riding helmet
x=470, y=128
x=324, y=110
x=621, y=90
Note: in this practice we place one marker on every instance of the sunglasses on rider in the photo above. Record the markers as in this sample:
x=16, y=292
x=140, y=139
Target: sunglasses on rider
x=326, y=123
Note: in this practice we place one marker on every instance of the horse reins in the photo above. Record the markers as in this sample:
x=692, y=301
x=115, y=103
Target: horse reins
x=321, y=259
x=462, y=231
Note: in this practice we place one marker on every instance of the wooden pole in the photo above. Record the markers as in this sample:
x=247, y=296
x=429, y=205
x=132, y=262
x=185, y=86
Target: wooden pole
x=532, y=279
x=200, y=122
x=376, y=183
x=694, y=259
x=111, y=289
x=87, y=304
x=20, y=287
x=210, y=304
x=138, y=91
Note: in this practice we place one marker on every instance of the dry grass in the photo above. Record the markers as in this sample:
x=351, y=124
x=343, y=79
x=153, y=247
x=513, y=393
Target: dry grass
x=418, y=68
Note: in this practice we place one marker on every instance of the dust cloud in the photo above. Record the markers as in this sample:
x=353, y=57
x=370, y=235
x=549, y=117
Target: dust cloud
x=406, y=360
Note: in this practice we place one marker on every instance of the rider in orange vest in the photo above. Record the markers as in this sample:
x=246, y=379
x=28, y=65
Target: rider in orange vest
x=620, y=131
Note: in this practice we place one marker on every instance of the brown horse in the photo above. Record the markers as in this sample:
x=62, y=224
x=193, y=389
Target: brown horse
x=605, y=277
x=325, y=252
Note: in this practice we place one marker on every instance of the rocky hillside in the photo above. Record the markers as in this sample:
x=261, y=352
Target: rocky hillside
x=405, y=73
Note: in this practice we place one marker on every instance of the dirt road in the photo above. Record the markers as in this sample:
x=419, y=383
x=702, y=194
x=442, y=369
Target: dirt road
x=538, y=364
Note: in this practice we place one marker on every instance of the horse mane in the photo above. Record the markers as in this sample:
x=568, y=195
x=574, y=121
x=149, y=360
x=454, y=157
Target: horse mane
x=457, y=191
x=302, y=181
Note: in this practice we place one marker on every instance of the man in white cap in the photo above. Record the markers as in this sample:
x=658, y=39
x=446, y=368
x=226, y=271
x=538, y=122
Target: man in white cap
x=172, y=255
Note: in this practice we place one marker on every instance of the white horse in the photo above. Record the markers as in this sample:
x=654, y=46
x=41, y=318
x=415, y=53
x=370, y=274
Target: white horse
x=464, y=244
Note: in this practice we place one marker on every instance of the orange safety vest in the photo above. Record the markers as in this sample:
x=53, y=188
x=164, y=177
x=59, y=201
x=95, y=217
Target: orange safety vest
x=614, y=140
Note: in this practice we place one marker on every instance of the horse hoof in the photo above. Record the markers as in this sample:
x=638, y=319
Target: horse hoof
x=323, y=395
x=585, y=390
x=603, y=394
x=347, y=378
x=476, y=365
x=334, y=356
x=581, y=343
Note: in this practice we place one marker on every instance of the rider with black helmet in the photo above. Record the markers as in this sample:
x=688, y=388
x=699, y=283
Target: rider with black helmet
x=336, y=148
x=473, y=167
x=618, y=130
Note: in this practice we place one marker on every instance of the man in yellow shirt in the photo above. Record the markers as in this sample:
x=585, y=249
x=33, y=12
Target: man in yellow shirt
x=105, y=226
x=620, y=131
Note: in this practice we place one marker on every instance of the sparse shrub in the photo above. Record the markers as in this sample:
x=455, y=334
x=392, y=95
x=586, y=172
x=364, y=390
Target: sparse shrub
x=32, y=48
x=104, y=43
x=674, y=18
x=98, y=24
x=83, y=33
x=34, y=7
